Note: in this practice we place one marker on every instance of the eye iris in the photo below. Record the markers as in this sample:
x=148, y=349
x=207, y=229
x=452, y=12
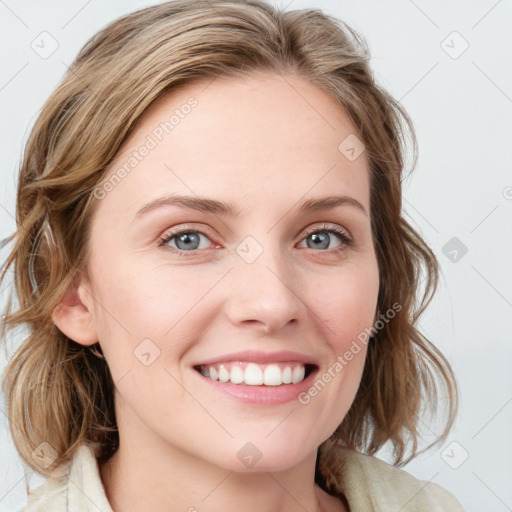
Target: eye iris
x=320, y=240
x=191, y=240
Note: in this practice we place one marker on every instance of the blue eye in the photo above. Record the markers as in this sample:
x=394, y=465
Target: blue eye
x=320, y=239
x=185, y=241
x=188, y=241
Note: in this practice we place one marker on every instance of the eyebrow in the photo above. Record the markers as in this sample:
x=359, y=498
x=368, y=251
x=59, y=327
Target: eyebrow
x=217, y=207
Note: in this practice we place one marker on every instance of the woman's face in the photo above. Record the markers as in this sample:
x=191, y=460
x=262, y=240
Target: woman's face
x=255, y=286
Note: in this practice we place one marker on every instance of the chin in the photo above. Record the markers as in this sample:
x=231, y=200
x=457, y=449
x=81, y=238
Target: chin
x=268, y=453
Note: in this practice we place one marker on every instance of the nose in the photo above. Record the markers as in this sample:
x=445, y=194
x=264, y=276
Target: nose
x=261, y=295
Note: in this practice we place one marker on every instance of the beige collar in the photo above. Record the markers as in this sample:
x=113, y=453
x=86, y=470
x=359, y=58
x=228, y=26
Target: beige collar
x=368, y=483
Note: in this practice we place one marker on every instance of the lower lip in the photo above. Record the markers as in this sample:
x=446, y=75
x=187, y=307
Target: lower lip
x=265, y=395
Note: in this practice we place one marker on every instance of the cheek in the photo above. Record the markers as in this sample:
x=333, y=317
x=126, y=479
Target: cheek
x=347, y=305
x=170, y=308
x=151, y=301
x=345, y=308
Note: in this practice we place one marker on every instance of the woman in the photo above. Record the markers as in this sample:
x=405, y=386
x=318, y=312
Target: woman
x=220, y=289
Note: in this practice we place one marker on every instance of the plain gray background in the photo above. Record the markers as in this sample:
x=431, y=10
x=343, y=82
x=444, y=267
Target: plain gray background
x=449, y=63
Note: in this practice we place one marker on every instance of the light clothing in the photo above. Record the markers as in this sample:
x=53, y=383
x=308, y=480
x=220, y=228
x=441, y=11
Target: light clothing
x=368, y=483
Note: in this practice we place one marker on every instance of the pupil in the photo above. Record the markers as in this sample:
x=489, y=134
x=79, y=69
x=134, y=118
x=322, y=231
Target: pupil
x=188, y=239
x=320, y=239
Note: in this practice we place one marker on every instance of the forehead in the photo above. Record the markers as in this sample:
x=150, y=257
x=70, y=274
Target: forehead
x=263, y=136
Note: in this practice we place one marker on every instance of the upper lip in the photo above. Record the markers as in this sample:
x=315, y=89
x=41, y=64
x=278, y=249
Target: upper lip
x=254, y=356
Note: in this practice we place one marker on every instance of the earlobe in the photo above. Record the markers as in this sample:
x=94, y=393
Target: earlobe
x=73, y=316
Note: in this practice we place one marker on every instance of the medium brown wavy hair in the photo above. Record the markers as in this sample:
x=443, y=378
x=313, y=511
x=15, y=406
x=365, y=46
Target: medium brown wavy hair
x=57, y=390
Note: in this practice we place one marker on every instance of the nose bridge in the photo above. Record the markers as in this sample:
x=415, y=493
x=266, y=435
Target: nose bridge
x=262, y=285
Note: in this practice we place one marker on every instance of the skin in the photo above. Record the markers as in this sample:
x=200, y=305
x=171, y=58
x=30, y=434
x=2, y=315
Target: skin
x=263, y=144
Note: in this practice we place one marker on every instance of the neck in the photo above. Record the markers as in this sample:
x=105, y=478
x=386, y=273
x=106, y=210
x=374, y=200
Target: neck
x=138, y=478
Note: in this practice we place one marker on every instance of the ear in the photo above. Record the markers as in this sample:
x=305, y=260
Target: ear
x=74, y=315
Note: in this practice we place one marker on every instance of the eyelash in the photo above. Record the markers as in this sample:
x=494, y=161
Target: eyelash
x=346, y=241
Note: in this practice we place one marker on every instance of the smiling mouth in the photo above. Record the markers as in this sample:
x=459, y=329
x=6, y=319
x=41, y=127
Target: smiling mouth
x=253, y=374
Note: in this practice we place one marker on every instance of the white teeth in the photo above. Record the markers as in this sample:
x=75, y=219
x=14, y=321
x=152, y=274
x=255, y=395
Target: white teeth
x=287, y=375
x=223, y=374
x=298, y=374
x=253, y=374
x=237, y=375
x=272, y=375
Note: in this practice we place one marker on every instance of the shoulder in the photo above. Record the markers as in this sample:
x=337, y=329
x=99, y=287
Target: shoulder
x=71, y=486
x=372, y=484
x=52, y=493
